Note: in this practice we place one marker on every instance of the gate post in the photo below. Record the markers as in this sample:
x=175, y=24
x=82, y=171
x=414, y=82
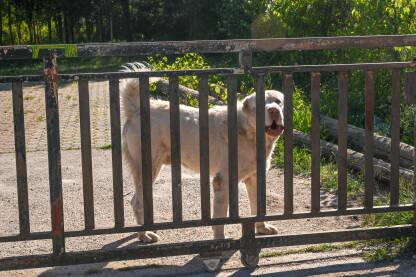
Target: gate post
x=249, y=251
x=54, y=153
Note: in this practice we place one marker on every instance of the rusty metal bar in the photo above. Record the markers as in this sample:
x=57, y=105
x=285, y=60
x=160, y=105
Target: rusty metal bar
x=232, y=145
x=175, y=142
x=395, y=138
x=342, y=139
x=204, y=148
x=260, y=146
x=215, y=221
x=369, y=127
x=20, y=149
x=160, y=250
x=211, y=46
x=316, y=153
x=288, y=143
x=54, y=154
x=414, y=170
x=146, y=143
x=215, y=71
x=116, y=153
x=87, y=180
x=333, y=67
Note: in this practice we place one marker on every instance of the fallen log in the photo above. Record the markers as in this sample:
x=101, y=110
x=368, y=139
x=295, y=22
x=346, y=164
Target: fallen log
x=356, y=139
x=355, y=160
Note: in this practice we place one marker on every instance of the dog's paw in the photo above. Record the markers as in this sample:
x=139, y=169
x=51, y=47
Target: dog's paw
x=148, y=237
x=266, y=229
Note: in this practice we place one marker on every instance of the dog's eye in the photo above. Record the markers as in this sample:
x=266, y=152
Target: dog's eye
x=278, y=102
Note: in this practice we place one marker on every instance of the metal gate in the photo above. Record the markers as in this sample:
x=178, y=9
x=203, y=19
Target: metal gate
x=249, y=244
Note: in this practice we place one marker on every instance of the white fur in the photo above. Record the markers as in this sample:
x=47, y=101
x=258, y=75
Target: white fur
x=218, y=151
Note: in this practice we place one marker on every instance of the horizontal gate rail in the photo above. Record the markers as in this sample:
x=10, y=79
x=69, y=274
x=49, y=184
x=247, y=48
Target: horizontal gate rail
x=215, y=71
x=207, y=46
x=214, y=221
x=186, y=248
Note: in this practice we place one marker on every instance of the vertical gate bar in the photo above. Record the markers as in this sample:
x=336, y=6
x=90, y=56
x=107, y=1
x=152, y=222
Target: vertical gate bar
x=288, y=143
x=20, y=149
x=369, y=126
x=87, y=180
x=395, y=138
x=54, y=154
x=204, y=148
x=175, y=139
x=232, y=145
x=316, y=155
x=260, y=146
x=116, y=153
x=147, y=175
x=414, y=169
x=342, y=139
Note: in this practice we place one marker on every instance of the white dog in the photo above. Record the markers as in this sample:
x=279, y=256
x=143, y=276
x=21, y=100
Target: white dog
x=218, y=151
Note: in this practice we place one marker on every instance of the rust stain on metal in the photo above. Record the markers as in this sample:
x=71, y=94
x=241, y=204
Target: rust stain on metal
x=5, y=49
x=57, y=220
x=53, y=78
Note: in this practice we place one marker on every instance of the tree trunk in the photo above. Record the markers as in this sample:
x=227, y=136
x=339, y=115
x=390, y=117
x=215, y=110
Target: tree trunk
x=382, y=145
x=100, y=26
x=9, y=14
x=59, y=28
x=50, y=29
x=127, y=24
x=19, y=32
x=355, y=160
x=66, y=33
x=89, y=28
x=110, y=19
x=1, y=24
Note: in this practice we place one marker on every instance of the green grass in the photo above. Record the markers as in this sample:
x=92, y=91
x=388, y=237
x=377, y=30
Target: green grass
x=312, y=249
x=106, y=146
x=40, y=118
x=29, y=97
x=28, y=111
x=329, y=172
x=390, y=249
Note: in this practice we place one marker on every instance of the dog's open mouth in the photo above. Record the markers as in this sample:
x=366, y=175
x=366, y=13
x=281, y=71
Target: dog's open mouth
x=274, y=130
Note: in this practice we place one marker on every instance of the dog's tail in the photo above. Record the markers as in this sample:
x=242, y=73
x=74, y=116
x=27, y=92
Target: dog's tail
x=130, y=89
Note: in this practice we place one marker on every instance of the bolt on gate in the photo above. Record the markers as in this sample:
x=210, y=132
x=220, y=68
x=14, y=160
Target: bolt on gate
x=249, y=244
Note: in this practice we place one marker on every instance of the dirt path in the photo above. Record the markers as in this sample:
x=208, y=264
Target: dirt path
x=339, y=263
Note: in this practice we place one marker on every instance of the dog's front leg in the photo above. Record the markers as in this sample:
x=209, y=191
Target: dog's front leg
x=251, y=186
x=220, y=202
x=137, y=204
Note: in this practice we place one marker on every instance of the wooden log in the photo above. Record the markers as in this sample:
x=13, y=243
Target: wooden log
x=355, y=160
x=382, y=145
